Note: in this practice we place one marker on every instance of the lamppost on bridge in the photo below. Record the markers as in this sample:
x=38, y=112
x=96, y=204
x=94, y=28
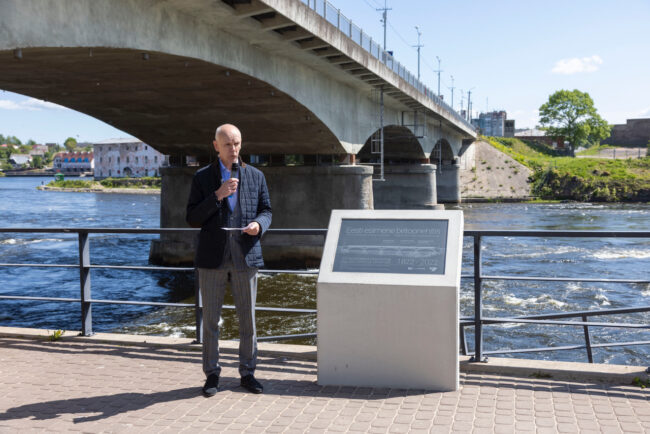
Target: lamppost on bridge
x=452, y=92
x=438, y=71
x=418, y=46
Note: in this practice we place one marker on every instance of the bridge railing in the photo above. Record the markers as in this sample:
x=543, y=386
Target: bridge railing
x=354, y=32
x=478, y=321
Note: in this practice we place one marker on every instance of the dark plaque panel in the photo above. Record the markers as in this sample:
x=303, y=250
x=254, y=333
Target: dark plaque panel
x=392, y=246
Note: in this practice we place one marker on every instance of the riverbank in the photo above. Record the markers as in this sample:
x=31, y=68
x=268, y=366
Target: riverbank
x=147, y=185
x=100, y=190
x=579, y=179
x=34, y=172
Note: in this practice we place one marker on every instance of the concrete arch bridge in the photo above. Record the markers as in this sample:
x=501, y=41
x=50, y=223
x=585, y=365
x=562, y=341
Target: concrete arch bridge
x=296, y=82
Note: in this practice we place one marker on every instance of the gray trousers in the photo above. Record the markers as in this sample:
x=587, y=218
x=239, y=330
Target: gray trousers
x=243, y=286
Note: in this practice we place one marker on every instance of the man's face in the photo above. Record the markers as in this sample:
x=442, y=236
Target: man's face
x=228, y=145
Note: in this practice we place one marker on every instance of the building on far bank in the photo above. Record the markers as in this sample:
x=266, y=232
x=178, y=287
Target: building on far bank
x=19, y=160
x=39, y=150
x=126, y=157
x=73, y=163
x=535, y=135
x=635, y=132
x=495, y=123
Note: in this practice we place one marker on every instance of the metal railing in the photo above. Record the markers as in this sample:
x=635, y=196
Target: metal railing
x=86, y=300
x=334, y=16
x=478, y=321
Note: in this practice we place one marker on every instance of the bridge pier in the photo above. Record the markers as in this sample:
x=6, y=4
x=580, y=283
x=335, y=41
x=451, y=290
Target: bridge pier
x=174, y=249
x=448, y=181
x=407, y=186
x=301, y=197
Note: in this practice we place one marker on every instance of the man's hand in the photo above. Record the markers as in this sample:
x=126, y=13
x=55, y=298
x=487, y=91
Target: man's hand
x=253, y=228
x=227, y=188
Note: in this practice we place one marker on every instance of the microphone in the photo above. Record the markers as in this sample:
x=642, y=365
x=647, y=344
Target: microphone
x=233, y=169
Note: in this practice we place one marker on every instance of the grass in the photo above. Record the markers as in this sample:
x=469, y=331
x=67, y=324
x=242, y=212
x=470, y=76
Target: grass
x=71, y=183
x=139, y=183
x=594, y=150
x=582, y=179
x=540, y=374
x=641, y=383
x=56, y=335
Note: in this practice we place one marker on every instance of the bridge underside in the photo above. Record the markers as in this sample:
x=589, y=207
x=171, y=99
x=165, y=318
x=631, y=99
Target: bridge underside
x=172, y=103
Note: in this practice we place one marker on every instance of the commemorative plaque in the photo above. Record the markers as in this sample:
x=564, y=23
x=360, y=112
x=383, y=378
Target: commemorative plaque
x=392, y=246
x=388, y=299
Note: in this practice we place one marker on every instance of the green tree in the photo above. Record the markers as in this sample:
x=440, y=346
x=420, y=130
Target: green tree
x=30, y=142
x=571, y=114
x=13, y=140
x=70, y=144
x=37, y=162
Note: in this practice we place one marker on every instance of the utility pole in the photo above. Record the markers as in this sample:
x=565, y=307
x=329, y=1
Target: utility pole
x=462, y=99
x=438, y=71
x=418, y=46
x=384, y=20
x=469, y=105
x=452, y=92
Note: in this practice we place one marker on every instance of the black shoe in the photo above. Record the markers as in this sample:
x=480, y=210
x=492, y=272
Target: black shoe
x=211, y=386
x=251, y=384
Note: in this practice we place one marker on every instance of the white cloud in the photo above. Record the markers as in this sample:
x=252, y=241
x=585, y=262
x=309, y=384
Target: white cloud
x=40, y=104
x=577, y=65
x=644, y=112
x=9, y=105
x=31, y=104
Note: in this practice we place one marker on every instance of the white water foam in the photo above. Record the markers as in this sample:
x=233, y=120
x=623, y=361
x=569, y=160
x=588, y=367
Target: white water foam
x=602, y=298
x=622, y=254
x=541, y=251
x=546, y=299
x=12, y=241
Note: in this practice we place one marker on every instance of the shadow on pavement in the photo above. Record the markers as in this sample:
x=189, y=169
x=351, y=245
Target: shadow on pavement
x=105, y=405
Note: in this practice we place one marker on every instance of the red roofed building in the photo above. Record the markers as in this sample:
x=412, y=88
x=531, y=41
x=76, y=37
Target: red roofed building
x=72, y=163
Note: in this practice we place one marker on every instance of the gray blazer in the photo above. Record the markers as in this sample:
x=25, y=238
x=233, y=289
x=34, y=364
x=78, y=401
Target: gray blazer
x=206, y=212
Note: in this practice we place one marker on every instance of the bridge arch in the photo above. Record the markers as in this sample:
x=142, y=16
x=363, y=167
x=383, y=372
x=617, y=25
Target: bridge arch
x=174, y=103
x=442, y=151
x=141, y=34
x=401, y=146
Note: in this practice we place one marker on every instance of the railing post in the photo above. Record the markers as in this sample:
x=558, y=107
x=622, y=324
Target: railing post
x=84, y=284
x=338, y=19
x=198, y=308
x=590, y=356
x=478, y=304
x=463, y=340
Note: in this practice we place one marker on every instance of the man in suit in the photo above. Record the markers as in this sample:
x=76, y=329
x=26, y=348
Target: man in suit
x=229, y=194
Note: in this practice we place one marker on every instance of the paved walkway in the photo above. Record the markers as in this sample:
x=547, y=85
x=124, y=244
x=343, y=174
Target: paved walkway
x=102, y=387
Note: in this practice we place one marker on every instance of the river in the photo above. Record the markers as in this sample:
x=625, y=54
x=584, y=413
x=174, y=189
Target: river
x=22, y=205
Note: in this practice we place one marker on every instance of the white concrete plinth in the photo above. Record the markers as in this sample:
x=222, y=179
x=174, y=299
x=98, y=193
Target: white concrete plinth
x=385, y=329
x=388, y=336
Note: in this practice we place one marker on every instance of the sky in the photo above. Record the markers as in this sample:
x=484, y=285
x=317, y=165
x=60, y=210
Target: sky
x=511, y=54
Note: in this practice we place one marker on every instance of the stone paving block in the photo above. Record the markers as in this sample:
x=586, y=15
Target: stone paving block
x=137, y=389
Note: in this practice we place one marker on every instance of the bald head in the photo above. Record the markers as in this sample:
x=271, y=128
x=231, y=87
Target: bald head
x=227, y=131
x=227, y=143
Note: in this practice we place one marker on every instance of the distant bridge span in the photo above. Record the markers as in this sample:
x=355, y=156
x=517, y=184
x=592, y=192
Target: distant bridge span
x=295, y=82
